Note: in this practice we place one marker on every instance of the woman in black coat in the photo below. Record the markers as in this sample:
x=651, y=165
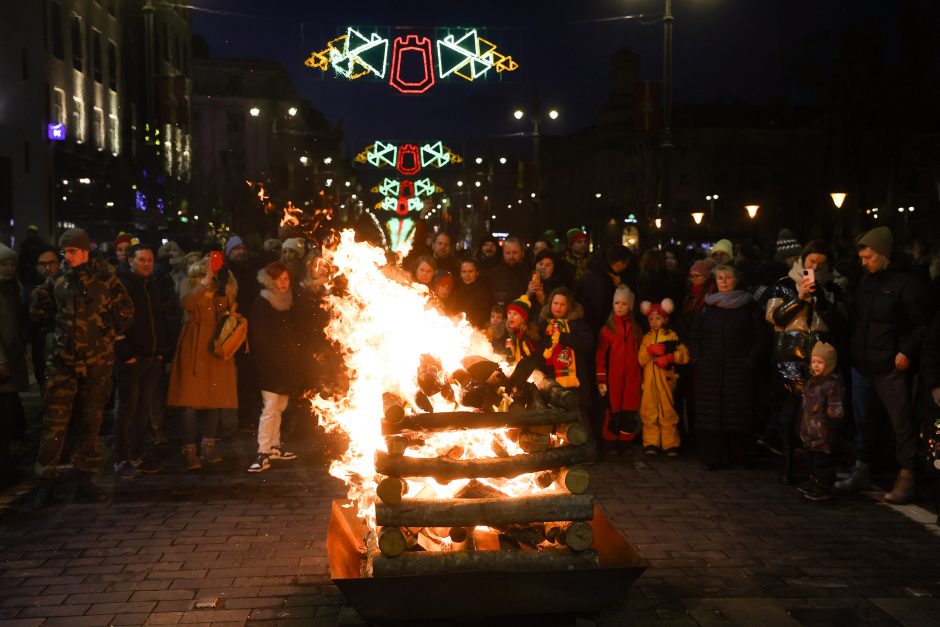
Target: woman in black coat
x=728, y=343
x=472, y=295
x=273, y=342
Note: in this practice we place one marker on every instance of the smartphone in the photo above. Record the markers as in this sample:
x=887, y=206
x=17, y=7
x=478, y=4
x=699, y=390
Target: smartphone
x=809, y=273
x=216, y=260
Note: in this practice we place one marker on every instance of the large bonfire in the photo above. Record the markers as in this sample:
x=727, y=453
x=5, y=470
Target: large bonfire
x=384, y=326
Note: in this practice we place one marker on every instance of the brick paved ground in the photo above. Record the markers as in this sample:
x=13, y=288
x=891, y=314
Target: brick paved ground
x=729, y=547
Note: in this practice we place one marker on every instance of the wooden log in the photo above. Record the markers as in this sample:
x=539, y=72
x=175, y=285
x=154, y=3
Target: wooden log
x=393, y=407
x=556, y=395
x=534, y=442
x=508, y=467
x=391, y=490
x=577, y=536
x=574, y=480
x=394, y=541
x=452, y=420
x=479, y=490
x=423, y=563
x=485, y=539
x=575, y=433
x=487, y=511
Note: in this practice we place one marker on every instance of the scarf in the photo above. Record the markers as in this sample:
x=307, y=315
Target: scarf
x=281, y=301
x=729, y=300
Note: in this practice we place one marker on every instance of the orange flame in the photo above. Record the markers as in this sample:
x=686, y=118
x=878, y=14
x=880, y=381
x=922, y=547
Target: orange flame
x=383, y=327
x=292, y=215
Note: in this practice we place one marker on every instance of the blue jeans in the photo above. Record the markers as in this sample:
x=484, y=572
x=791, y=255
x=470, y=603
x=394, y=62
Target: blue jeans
x=136, y=384
x=893, y=390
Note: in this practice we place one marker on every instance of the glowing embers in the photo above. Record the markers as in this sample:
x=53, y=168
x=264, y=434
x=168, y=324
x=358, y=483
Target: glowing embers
x=466, y=55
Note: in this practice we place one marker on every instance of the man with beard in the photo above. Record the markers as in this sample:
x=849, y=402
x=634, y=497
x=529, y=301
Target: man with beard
x=511, y=277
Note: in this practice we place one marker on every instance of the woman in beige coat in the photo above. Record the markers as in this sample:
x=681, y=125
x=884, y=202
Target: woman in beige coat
x=200, y=381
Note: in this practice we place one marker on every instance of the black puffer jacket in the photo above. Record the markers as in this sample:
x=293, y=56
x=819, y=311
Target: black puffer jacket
x=930, y=355
x=891, y=316
x=728, y=347
x=148, y=336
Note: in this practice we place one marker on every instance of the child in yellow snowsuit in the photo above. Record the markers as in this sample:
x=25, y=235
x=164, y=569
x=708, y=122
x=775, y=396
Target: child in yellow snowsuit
x=659, y=351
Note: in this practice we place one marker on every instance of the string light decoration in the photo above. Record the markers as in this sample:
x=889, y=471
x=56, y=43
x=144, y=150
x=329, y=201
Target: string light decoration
x=409, y=163
x=465, y=55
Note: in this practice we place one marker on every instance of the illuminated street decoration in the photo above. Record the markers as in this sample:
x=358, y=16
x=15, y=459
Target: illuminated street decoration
x=384, y=155
x=465, y=54
x=353, y=55
x=409, y=163
x=389, y=187
x=401, y=233
x=413, y=45
x=426, y=187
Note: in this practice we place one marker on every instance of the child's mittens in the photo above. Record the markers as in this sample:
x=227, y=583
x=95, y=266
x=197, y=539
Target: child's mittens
x=663, y=361
x=656, y=349
x=602, y=389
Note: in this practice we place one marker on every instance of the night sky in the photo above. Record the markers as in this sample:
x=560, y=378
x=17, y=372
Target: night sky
x=723, y=49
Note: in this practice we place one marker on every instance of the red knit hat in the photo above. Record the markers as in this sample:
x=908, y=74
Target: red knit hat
x=662, y=309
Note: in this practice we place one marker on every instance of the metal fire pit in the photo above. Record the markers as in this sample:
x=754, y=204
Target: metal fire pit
x=469, y=595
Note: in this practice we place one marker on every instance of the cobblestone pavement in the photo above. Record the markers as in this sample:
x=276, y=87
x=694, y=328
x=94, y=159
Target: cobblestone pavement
x=725, y=548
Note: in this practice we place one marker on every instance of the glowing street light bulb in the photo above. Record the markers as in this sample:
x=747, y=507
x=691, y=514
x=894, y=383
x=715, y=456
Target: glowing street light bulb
x=597, y=195
x=751, y=210
x=658, y=222
x=502, y=160
x=254, y=111
x=697, y=216
x=479, y=160
x=292, y=111
x=478, y=183
x=459, y=183
x=553, y=114
x=838, y=198
x=518, y=113
x=304, y=159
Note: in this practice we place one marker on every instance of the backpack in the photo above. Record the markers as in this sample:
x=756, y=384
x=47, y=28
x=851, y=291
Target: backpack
x=232, y=333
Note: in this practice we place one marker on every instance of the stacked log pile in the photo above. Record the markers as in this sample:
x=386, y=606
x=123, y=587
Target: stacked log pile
x=482, y=528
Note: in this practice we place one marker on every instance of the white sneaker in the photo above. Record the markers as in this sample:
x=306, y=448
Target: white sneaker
x=277, y=453
x=261, y=464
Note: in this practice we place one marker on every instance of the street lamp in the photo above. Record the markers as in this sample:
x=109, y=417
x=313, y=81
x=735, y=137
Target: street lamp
x=254, y=111
x=752, y=210
x=536, y=158
x=838, y=198
x=667, y=146
x=697, y=216
x=292, y=111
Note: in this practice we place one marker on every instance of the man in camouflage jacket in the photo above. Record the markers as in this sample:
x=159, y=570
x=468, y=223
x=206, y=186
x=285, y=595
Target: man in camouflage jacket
x=88, y=308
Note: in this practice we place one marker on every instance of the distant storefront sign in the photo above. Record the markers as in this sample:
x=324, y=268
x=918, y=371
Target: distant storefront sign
x=56, y=132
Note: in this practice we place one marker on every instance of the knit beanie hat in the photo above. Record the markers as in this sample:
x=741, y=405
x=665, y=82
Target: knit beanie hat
x=521, y=306
x=787, y=245
x=574, y=235
x=232, y=242
x=297, y=244
x=828, y=355
x=75, y=238
x=6, y=253
x=623, y=295
x=272, y=246
x=879, y=240
x=703, y=267
x=662, y=309
x=723, y=246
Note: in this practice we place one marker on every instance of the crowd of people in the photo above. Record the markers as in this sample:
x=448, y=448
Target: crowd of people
x=792, y=350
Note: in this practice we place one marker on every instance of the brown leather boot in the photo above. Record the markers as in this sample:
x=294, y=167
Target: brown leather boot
x=903, y=491
x=208, y=451
x=190, y=458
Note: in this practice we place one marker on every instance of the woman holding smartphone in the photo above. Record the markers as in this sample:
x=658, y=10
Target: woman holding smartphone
x=803, y=309
x=201, y=383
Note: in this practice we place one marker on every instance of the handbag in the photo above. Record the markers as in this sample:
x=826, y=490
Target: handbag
x=231, y=334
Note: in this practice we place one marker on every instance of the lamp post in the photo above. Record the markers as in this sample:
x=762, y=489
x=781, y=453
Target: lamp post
x=667, y=146
x=711, y=198
x=536, y=159
x=838, y=198
x=752, y=210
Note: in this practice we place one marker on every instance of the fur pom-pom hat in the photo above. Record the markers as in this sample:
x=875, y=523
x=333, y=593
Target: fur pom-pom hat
x=662, y=309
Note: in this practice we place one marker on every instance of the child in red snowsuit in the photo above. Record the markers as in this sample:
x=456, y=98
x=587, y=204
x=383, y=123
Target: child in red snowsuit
x=618, y=371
